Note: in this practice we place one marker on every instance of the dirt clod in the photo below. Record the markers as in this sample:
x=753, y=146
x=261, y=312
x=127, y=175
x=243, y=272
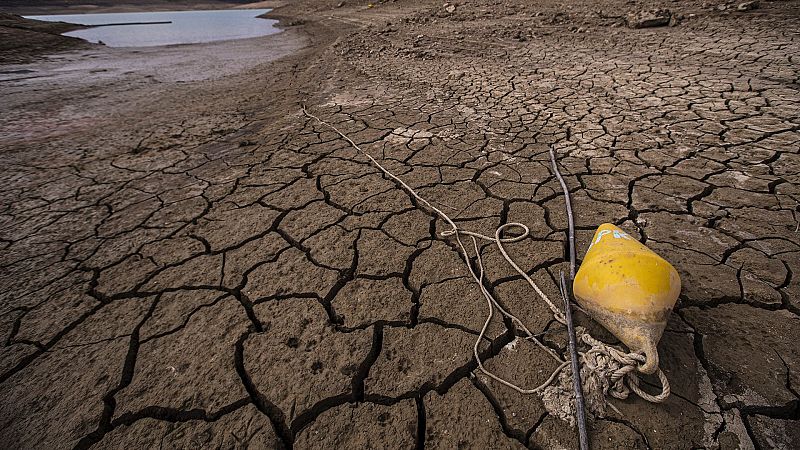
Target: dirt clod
x=649, y=18
x=747, y=6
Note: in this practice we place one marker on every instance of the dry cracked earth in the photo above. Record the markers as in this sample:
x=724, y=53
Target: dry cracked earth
x=210, y=268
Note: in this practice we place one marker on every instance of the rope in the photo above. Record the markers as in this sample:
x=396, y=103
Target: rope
x=607, y=369
x=620, y=367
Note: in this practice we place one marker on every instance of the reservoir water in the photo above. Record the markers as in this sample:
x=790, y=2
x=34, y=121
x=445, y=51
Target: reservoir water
x=175, y=27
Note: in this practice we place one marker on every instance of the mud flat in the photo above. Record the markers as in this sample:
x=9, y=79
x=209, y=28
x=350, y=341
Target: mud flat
x=75, y=91
x=188, y=260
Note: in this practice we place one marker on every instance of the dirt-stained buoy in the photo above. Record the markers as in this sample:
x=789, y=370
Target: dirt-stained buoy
x=628, y=289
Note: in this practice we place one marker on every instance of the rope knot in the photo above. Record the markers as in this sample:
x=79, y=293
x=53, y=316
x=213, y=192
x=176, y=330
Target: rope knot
x=620, y=368
x=605, y=371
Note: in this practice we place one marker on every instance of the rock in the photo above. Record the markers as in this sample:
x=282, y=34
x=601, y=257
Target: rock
x=747, y=6
x=649, y=18
x=340, y=4
x=451, y=8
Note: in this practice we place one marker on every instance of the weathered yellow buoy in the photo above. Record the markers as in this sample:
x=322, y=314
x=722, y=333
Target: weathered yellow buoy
x=628, y=289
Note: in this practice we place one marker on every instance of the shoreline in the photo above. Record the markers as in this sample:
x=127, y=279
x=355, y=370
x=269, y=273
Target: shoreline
x=144, y=6
x=28, y=40
x=93, y=66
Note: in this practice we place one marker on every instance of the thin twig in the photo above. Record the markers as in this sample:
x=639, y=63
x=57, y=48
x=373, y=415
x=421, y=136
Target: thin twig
x=570, y=220
x=580, y=416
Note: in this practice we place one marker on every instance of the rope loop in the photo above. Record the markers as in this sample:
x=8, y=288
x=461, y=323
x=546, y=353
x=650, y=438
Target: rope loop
x=633, y=382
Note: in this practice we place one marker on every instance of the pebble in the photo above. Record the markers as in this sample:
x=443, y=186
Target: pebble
x=747, y=6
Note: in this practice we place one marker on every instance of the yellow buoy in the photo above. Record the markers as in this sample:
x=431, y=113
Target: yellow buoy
x=628, y=289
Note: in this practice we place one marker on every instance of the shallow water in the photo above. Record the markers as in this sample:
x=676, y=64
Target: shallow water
x=186, y=27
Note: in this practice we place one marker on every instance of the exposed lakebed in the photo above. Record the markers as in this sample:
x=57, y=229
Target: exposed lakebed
x=148, y=29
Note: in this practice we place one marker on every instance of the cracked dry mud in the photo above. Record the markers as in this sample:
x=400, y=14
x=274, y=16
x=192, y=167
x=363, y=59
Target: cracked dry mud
x=207, y=267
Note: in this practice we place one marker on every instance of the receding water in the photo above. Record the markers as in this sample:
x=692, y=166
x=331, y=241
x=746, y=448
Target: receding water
x=185, y=27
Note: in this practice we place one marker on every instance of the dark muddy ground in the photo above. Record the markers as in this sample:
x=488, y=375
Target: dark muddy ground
x=24, y=40
x=191, y=262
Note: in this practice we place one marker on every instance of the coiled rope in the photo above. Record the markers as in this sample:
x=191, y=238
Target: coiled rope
x=606, y=371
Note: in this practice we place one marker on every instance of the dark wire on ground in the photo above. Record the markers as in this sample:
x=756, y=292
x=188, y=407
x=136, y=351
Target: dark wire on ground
x=570, y=220
x=583, y=434
x=580, y=408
